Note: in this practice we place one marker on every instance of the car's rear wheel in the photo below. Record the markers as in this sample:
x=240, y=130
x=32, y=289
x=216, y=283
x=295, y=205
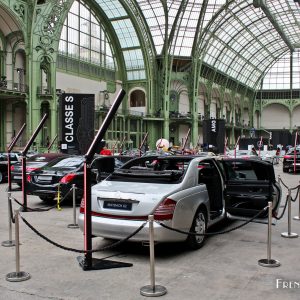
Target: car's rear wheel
x=1, y=177
x=47, y=198
x=199, y=226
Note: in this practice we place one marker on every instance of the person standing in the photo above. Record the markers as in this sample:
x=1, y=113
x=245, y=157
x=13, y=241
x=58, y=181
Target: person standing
x=105, y=151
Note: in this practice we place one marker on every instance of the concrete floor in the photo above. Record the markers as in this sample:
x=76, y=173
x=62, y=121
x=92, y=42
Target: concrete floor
x=225, y=268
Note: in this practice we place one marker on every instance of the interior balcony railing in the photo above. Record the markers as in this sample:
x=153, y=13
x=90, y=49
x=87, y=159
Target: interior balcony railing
x=9, y=85
x=45, y=91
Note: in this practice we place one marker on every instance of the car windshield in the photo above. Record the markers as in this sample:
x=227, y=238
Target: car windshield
x=248, y=170
x=292, y=151
x=164, y=169
x=40, y=158
x=66, y=163
x=3, y=156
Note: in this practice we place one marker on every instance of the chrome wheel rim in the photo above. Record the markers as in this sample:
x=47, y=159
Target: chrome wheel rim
x=1, y=176
x=200, y=227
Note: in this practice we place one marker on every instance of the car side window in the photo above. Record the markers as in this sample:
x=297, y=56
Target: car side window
x=245, y=170
x=206, y=172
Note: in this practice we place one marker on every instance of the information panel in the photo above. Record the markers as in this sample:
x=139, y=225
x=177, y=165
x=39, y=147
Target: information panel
x=76, y=122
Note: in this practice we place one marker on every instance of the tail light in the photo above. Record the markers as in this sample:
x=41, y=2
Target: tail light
x=28, y=178
x=67, y=178
x=288, y=156
x=81, y=210
x=165, y=210
x=12, y=168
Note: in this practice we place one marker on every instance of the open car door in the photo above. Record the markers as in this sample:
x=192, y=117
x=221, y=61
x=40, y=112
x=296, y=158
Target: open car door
x=250, y=185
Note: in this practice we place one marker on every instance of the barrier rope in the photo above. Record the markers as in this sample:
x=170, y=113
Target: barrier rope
x=296, y=196
x=214, y=233
x=113, y=245
x=294, y=188
x=42, y=209
x=284, y=209
x=280, y=180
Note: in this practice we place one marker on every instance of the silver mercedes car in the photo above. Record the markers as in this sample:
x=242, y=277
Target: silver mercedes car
x=188, y=193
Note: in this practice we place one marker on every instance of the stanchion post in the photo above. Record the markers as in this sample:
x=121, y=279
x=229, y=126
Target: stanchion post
x=10, y=242
x=152, y=290
x=269, y=262
x=289, y=234
x=74, y=225
x=18, y=275
x=298, y=217
x=58, y=198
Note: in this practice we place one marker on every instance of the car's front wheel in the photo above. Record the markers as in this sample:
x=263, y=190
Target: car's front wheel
x=1, y=177
x=199, y=226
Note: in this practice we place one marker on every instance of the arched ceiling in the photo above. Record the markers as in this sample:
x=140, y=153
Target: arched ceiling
x=243, y=41
x=240, y=39
x=8, y=24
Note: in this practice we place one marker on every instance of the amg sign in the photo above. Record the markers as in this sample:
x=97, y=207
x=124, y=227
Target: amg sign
x=76, y=122
x=214, y=133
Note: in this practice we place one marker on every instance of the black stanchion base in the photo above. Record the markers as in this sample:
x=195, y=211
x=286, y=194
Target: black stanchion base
x=150, y=291
x=101, y=264
x=17, y=276
x=271, y=263
x=73, y=226
x=15, y=190
x=290, y=235
x=8, y=243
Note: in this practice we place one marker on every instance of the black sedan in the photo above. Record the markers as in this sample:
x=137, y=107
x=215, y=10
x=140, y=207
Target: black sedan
x=60, y=174
x=3, y=164
x=291, y=160
x=32, y=163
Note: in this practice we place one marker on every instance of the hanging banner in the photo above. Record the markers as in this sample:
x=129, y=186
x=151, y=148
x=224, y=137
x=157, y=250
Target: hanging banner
x=76, y=124
x=214, y=134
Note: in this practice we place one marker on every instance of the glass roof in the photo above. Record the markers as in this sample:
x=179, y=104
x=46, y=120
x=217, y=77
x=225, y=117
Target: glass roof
x=243, y=43
x=161, y=18
x=128, y=37
x=233, y=37
x=279, y=76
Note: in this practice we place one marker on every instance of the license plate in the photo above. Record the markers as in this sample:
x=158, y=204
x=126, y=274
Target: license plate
x=17, y=177
x=44, y=178
x=117, y=205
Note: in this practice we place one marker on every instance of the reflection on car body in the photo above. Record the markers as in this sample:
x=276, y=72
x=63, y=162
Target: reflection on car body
x=61, y=173
x=34, y=162
x=14, y=158
x=291, y=160
x=188, y=193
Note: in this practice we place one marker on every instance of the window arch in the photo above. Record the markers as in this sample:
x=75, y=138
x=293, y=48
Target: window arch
x=137, y=99
x=45, y=109
x=84, y=38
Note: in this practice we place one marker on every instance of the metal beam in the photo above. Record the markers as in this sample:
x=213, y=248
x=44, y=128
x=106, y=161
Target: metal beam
x=262, y=4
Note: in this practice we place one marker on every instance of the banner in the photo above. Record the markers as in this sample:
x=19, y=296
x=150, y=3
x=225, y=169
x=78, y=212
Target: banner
x=214, y=134
x=76, y=122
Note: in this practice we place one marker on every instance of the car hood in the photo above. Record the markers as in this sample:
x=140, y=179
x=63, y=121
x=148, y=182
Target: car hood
x=144, y=197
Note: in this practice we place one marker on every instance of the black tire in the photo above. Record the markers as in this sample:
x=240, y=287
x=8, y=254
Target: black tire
x=1, y=177
x=47, y=199
x=199, y=225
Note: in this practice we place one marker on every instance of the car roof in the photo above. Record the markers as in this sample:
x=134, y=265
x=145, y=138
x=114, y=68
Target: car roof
x=47, y=156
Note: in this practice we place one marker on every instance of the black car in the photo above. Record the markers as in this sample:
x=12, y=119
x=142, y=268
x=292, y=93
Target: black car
x=14, y=158
x=32, y=163
x=61, y=173
x=289, y=163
